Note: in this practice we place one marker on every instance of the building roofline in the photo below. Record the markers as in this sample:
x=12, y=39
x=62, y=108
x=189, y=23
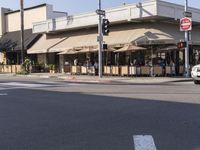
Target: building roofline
x=150, y=10
x=61, y=12
x=28, y=8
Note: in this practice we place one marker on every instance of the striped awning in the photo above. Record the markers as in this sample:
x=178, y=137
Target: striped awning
x=133, y=34
x=45, y=43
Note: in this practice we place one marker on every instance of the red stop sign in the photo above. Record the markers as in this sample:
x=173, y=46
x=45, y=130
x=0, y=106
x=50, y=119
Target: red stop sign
x=186, y=24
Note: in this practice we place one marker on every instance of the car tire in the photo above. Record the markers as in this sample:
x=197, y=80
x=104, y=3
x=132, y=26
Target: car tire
x=196, y=82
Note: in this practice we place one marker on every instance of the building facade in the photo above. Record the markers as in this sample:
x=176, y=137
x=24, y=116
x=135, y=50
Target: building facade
x=142, y=40
x=10, y=26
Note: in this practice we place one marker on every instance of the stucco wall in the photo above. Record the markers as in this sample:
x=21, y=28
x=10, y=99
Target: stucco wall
x=54, y=14
x=30, y=16
x=36, y=14
x=2, y=20
x=2, y=58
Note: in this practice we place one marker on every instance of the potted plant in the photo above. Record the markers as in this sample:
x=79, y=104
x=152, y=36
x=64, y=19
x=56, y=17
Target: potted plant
x=52, y=68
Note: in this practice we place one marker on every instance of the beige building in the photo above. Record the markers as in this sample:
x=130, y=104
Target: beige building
x=10, y=29
x=143, y=38
x=142, y=35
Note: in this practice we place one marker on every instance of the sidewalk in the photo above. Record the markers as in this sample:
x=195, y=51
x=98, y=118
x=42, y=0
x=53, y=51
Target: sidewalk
x=105, y=79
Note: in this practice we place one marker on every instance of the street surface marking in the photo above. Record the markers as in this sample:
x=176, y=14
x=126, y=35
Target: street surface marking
x=23, y=84
x=9, y=88
x=3, y=94
x=144, y=142
x=76, y=84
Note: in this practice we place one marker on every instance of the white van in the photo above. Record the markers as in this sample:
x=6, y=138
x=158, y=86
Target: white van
x=196, y=74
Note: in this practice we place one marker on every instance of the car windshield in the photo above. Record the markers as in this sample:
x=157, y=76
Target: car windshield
x=198, y=69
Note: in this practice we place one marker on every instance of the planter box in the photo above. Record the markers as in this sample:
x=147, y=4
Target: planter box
x=138, y=71
x=83, y=70
x=76, y=70
x=124, y=70
x=52, y=71
x=145, y=71
x=91, y=70
x=107, y=70
x=132, y=70
x=10, y=68
x=115, y=70
x=157, y=70
x=181, y=70
x=168, y=70
x=67, y=69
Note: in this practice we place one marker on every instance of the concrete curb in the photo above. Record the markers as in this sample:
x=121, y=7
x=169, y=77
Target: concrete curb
x=124, y=82
x=74, y=79
x=7, y=75
x=37, y=76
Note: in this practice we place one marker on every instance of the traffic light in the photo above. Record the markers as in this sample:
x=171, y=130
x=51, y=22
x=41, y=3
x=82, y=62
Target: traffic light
x=105, y=26
x=105, y=46
x=181, y=45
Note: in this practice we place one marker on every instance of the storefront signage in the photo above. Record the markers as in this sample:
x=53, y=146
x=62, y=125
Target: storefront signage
x=186, y=24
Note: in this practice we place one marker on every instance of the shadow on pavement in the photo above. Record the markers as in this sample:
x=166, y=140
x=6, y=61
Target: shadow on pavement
x=43, y=120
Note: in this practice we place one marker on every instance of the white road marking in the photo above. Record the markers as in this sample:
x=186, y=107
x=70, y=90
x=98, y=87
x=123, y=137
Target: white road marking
x=76, y=84
x=144, y=142
x=10, y=88
x=18, y=84
x=3, y=94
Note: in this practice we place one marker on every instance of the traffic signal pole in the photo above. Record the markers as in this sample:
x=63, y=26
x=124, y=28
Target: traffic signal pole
x=100, y=42
x=187, y=74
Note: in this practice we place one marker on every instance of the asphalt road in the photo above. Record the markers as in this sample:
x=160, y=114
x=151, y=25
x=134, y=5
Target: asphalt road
x=42, y=114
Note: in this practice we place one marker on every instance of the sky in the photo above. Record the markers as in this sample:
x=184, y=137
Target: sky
x=81, y=6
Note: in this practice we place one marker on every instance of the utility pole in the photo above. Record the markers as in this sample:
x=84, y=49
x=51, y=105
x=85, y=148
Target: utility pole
x=22, y=29
x=187, y=74
x=100, y=39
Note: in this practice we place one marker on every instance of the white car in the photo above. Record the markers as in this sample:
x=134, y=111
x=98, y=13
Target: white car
x=196, y=74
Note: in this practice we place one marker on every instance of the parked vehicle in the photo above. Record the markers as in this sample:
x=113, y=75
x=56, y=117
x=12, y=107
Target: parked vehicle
x=196, y=74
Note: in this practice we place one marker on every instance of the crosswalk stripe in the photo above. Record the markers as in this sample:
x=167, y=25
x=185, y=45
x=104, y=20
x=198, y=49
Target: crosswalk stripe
x=144, y=142
x=3, y=94
x=18, y=84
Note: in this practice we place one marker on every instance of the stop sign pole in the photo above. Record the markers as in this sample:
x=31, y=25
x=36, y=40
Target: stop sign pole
x=187, y=74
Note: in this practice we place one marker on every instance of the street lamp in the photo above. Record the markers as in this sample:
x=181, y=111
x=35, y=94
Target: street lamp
x=22, y=29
